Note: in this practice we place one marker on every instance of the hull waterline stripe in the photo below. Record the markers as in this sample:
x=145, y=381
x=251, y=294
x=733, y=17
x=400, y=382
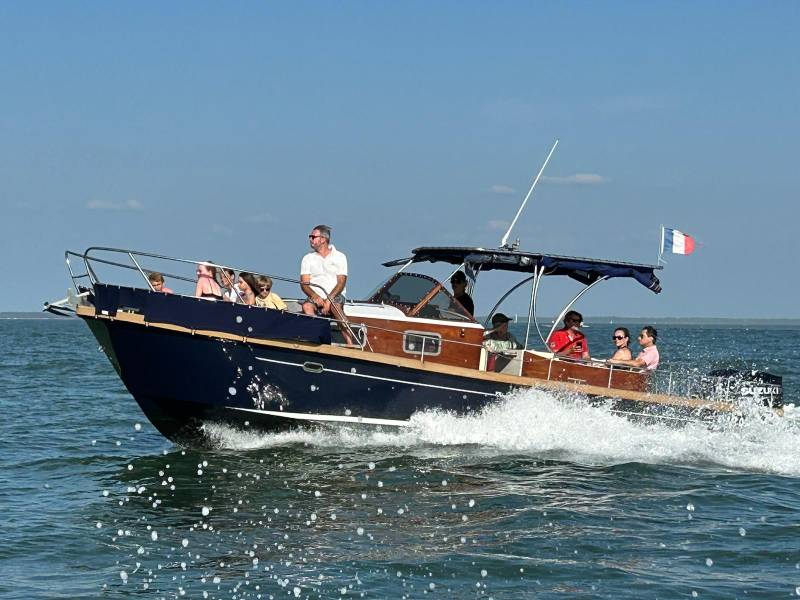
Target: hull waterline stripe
x=400, y=381
x=395, y=423
x=627, y=413
x=324, y=418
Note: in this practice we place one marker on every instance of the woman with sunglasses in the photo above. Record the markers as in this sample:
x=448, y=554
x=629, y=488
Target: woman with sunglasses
x=621, y=339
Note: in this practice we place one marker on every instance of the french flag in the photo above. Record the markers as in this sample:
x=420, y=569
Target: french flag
x=676, y=242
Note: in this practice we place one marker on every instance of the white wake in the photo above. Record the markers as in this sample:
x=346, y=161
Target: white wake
x=535, y=423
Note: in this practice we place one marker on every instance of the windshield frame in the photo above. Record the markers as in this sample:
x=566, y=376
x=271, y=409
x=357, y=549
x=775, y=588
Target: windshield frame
x=381, y=296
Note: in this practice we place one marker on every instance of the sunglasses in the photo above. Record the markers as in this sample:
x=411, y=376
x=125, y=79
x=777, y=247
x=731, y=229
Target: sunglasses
x=311, y=237
x=617, y=337
x=265, y=289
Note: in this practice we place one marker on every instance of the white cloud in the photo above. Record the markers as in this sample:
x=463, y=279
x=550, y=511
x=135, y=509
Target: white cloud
x=260, y=218
x=218, y=229
x=629, y=103
x=498, y=225
x=527, y=111
x=498, y=188
x=577, y=179
x=133, y=205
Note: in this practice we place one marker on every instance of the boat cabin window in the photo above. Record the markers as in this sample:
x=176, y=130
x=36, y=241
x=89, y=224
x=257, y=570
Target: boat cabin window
x=421, y=342
x=407, y=290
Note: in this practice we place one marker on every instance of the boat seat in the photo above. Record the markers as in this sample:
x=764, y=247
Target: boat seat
x=293, y=306
x=508, y=361
x=540, y=354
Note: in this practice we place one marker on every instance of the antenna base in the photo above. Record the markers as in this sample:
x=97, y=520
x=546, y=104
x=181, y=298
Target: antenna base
x=513, y=247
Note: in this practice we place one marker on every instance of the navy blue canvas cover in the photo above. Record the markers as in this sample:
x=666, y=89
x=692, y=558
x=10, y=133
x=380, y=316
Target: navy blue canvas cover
x=200, y=314
x=584, y=270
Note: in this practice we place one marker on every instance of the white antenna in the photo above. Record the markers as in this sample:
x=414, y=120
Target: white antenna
x=530, y=191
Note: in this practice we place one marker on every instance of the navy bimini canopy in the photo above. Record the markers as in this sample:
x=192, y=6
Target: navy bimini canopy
x=584, y=270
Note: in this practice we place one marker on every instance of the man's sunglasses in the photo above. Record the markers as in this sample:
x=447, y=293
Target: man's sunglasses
x=311, y=236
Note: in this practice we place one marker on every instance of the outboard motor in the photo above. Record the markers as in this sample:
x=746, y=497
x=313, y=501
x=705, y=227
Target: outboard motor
x=744, y=386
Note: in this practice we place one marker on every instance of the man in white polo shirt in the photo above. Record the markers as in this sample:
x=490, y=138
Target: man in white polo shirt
x=325, y=267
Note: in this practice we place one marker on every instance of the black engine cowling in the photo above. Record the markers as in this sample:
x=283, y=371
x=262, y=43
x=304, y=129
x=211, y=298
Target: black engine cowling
x=744, y=386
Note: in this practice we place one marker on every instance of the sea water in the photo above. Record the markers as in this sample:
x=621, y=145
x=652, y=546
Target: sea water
x=535, y=497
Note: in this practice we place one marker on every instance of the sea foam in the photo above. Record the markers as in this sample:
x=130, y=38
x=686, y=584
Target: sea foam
x=536, y=423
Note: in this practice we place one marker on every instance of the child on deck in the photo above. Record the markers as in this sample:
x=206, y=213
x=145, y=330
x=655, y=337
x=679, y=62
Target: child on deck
x=265, y=297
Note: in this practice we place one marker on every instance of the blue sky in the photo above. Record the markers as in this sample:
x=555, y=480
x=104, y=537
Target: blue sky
x=226, y=131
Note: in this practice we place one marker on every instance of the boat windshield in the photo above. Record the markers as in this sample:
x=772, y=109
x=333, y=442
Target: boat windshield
x=407, y=291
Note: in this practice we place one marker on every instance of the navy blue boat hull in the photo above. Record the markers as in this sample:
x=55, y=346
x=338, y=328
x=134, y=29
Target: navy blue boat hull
x=183, y=381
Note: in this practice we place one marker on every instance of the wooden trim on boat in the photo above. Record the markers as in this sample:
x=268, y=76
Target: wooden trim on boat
x=427, y=298
x=461, y=346
x=528, y=382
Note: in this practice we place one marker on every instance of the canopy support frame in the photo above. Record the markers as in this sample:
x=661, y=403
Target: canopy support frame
x=538, y=274
x=570, y=303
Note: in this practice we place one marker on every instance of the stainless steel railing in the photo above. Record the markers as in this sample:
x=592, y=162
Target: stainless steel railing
x=88, y=260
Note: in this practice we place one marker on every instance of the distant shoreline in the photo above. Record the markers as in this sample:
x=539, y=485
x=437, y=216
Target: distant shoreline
x=30, y=316
x=698, y=320
x=730, y=321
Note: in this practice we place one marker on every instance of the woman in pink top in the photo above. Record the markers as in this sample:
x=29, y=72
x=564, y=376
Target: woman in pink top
x=207, y=286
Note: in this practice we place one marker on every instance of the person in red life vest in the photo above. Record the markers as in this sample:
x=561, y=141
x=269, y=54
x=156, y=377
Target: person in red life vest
x=570, y=341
